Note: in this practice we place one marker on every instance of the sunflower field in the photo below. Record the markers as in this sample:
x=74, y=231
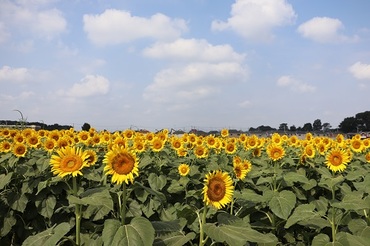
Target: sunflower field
x=127, y=187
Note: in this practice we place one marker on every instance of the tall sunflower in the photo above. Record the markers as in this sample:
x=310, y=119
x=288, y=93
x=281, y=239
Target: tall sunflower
x=69, y=161
x=224, y=132
x=337, y=159
x=122, y=164
x=218, y=189
x=239, y=170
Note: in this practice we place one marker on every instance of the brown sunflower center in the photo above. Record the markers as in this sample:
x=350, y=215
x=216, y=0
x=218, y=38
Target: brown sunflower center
x=20, y=150
x=71, y=163
x=123, y=163
x=216, y=189
x=336, y=160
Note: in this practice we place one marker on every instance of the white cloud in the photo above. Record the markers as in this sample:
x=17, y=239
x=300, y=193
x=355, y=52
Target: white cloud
x=193, y=81
x=90, y=85
x=28, y=17
x=360, y=70
x=116, y=26
x=324, y=30
x=254, y=19
x=193, y=49
x=8, y=74
x=294, y=84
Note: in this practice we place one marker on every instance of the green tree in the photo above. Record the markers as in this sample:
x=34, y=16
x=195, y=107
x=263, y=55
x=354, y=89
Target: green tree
x=317, y=126
x=363, y=121
x=86, y=127
x=349, y=124
x=307, y=127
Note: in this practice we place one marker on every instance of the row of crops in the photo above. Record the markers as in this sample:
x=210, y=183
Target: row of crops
x=131, y=188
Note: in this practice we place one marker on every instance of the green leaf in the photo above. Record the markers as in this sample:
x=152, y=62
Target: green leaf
x=47, y=206
x=320, y=240
x=19, y=202
x=49, y=237
x=139, y=232
x=163, y=227
x=9, y=222
x=352, y=202
x=174, y=239
x=282, y=203
x=5, y=179
x=293, y=177
x=359, y=227
x=98, y=197
x=236, y=235
x=157, y=182
x=249, y=195
x=302, y=212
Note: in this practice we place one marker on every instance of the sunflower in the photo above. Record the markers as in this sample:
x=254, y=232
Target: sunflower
x=201, y=151
x=54, y=134
x=276, y=138
x=309, y=151
x=19, y=149
x=69, y=160
x=293, y=141
x=128, y=134
x=230, y=148
x=257, y=152
x=356, y=145
x=176, y=143
x=367, y=157
x=239, y=170
x=157, y=144
x=49, y=144
x=139, y=145
x=33, y=140
x=247, y=165
x=224, y=132
x=275, y=152
x=337, y=159
x=218, y=189
x=183, y=169
x=19, y=138
x=122, y=164
x=182, y=152
x=83, y=136
x=251, y=142
x=5, y=146
x=93, y=157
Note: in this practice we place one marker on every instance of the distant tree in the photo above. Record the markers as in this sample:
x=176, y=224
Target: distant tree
x=363, y=121
x=86, y=127
x=265, y=128
x=307, y=127
x=317, y=126
x=349, y=124
x=326, y=127
x=283, y=127
x=293, y=128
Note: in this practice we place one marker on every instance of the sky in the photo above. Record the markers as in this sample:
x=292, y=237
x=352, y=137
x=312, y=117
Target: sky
x=205, y=64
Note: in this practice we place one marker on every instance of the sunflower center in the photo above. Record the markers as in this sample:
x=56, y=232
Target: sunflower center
x=336, y=160
x=276, y=154
x=123, y=164
x=216, y=189
x=71, y=163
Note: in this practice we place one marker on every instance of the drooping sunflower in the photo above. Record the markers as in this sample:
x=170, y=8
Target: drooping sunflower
x=69, y=161
x=239, y=170
x=19, y=149
x=183, y=169
x=92, y=157
x=275, y=152
x=122, y=164
x=337, y=159
x=367, y=157
x=218, y=189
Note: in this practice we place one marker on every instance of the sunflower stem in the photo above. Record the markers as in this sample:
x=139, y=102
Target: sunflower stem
x=202, y=241
x=123, y=204
x=77, y=212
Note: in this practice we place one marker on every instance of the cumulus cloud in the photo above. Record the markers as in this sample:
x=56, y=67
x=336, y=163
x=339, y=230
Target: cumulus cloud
x=117, y=26
x=193, y=49
x=193, y=81
x=255, y=19
x=360, y=70
x=32, y=17
x=324, y=30
x=9, y=74
x=294, y=84
x=90, y=85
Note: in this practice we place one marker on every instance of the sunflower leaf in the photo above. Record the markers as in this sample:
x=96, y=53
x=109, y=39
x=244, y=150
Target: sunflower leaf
x=237, y=234
x=282, y=203
x=49, y=237
x=139, y=232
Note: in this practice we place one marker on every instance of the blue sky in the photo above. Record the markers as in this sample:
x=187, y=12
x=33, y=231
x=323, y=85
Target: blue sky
x=208, y=64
